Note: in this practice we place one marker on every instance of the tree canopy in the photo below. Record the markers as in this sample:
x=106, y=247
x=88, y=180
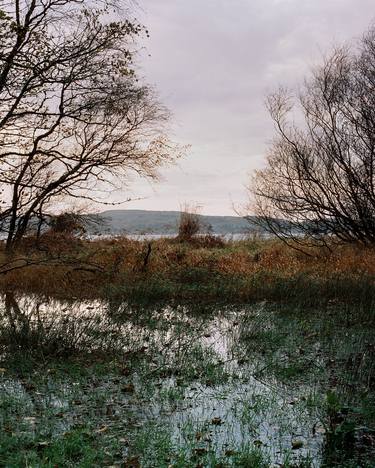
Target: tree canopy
x=318, y=183
x=74, y=118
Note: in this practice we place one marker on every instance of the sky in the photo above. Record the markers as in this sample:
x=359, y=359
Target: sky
x=213, y=62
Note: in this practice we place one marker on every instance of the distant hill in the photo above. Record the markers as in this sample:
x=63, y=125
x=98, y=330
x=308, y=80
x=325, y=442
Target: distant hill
x=166, y=222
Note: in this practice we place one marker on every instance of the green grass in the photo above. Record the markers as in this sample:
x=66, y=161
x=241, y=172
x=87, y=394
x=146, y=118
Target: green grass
x=77, y=448
x=185, y=386
x=206, y=285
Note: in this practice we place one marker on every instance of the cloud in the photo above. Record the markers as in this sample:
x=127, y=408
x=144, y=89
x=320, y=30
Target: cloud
x=213, y=62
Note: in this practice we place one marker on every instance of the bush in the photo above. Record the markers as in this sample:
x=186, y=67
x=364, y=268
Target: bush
x=67, y=223
x=190, y=224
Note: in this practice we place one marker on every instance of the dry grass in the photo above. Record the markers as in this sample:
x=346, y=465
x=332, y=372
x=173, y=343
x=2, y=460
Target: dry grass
x=120, y=263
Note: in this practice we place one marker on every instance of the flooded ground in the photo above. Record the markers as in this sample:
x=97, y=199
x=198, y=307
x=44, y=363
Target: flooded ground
x=114, y=384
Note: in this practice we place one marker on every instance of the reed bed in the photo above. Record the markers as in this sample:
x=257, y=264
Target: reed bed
x=206, y=267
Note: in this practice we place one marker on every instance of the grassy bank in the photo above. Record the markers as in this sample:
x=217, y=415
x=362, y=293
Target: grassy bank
x=205, y=268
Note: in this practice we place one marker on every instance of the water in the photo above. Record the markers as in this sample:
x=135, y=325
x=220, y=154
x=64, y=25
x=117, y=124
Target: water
x=228, y=237
x=214, y=381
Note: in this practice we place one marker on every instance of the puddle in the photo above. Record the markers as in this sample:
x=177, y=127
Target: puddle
x=216, y=381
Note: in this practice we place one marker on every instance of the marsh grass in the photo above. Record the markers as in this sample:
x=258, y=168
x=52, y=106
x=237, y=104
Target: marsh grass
x=186, y=385
x=236, y=271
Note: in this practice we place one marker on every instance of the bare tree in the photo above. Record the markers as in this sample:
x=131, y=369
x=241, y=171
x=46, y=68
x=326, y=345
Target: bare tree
x=74, y=119
x=318, y=183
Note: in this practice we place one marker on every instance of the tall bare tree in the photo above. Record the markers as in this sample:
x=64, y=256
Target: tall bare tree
x=319, y=179
x=73, y=116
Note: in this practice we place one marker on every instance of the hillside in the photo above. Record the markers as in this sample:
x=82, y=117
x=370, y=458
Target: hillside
x=166, y=222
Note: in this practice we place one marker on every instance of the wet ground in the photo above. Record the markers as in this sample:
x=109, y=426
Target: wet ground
x=114, y=384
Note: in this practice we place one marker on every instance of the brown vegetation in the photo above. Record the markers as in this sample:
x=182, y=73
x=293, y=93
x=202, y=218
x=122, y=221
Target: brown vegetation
x=87, y=269
x=190, y=224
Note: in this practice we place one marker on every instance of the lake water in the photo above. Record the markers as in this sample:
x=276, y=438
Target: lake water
x=149, y=236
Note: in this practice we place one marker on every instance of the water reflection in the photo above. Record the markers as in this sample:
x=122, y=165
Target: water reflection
x=218, y=378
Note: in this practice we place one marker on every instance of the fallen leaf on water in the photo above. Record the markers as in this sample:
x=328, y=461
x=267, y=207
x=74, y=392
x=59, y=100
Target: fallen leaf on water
x=102, y=429
x=229, y=453
x=216, y=421
x=318, y=429
x=129, y=388
x=132, y=462
x=297, y=444
x=200, y=451
x=125, y=371
x=29, y=387
x=43, y=444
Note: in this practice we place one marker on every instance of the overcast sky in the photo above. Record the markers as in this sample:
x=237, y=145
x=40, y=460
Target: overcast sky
x=213, y=62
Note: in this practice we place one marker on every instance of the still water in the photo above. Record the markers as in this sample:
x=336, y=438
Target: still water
x=201, y=384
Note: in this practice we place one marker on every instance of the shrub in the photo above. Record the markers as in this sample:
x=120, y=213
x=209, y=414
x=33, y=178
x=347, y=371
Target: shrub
x=190, y=224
